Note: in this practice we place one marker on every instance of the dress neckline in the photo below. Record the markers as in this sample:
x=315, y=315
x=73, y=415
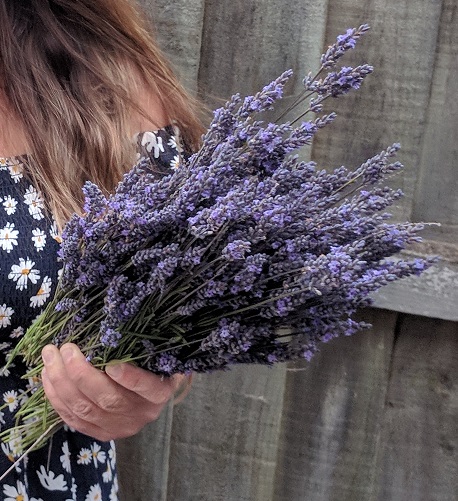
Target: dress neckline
x=20, y=159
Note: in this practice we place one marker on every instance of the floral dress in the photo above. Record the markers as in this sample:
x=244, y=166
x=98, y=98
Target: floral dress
x=72, y=466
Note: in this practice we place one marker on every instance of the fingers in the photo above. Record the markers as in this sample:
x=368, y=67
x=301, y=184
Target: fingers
x=95, y=404
x=68, y=416
x=81, y=384
x=147, y=385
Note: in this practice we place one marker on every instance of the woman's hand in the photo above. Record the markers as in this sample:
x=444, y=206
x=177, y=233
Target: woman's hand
x=106, y=406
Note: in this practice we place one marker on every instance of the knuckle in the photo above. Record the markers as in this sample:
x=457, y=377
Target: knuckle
x=82, y=408
x=67, y=417
x=111, y=403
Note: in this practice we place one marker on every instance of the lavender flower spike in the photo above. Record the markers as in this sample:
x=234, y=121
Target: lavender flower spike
x=343, y=44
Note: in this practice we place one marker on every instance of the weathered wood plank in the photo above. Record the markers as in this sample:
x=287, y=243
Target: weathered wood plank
x=224, y=438
x=178, y=28
x=418, y=453
x=330, y=428
x=391, y=106
x=246, y=44
x=143, y=461
x=436, y=197
x=433, y=294
x=436, y=293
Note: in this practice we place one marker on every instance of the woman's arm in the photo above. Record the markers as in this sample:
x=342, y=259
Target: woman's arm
x=105, y=405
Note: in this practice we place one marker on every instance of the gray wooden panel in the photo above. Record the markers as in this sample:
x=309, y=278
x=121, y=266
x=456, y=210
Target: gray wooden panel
x=330, y=427
x=436, y=197
x=143, y=461
x=178, y=29
x=418, y=455
x=433, y=294
x=391, y=106
x=224, y=438
x=247, y=43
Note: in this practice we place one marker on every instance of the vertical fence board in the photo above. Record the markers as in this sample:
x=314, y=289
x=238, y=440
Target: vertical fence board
x=436, y=198
x=247, y=43
x=178, y=29
x=391, y=106
x=225, y=435
x=143, y=461
x=418, y=457
x=329, y=436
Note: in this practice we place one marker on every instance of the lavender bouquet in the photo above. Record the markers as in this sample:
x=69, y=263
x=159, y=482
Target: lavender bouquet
x=244, y=254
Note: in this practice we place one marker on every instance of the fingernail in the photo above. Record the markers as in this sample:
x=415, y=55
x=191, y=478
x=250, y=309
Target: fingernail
x=114, y=370
x=47, y=354
x=67, y=352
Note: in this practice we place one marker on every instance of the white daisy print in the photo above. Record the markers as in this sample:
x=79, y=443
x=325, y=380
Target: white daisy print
x=73, y=490
x=18, y=332
x=5, y=345
x=114, y=490
x=33, y=199
x=152, y=142
x=39, y=239
x=175, y=141
x=50, y=481
x=33, y=383
x=6, y=371
x=65, y=458
x=98, y=455
x=7, y=451
x=5, y=315
x=175, y=162
x=11, y=399
x=9, y=205
x=23, y=272
x=54, y=232
x=8, y=237
x=172, y=142
x=15, y=493
x=15, y=444
x=42, y=295
x=94, y=494
x=107, y=475
x=84, y=456
x=16, y=172
x=2, y=417
x=112, y=453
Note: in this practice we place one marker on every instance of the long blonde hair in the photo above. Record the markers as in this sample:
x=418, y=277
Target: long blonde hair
x=72, y=71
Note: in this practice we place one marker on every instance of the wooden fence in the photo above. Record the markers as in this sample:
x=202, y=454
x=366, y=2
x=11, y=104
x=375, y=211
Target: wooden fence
x=375, y=416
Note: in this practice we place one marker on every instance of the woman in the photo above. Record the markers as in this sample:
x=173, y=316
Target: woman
x=78, y=80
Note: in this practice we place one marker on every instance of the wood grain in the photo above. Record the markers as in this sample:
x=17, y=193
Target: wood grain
x=330, y=431
x=143, y=461
x=178, y=27
x=224, y=438
x=418, y=454
x=392, y=104
x=436, y=197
